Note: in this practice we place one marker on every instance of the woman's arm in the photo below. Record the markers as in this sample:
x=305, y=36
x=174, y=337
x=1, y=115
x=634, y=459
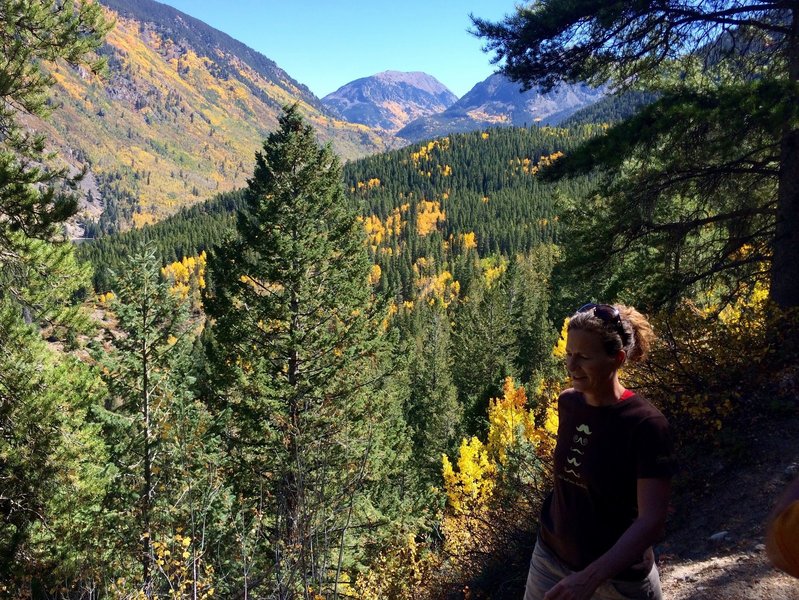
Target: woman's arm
x=653, y=503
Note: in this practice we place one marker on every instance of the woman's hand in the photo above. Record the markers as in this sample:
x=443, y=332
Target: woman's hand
x=653, y=503
x=577, y=586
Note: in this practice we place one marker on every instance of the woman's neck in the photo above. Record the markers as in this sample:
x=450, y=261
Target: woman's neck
x=606, y=397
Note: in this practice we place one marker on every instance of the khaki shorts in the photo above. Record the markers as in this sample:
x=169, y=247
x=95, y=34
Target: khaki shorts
x=546, y=570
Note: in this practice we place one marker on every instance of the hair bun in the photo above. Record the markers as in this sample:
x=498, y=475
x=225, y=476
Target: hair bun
x=639, y=331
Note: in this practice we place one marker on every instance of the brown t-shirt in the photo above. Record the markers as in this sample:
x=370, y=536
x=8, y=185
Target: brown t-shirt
x=600, y=454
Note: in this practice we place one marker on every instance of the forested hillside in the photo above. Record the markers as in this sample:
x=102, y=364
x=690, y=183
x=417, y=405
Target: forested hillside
x=341, y=380
x=436, y=200
x=169, y=121
x=459, y=241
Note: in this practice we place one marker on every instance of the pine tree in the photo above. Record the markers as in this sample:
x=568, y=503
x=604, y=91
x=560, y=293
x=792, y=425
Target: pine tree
x=529, y=294
x=484, y=348
x=297, y=347
x=31, y=195
x=434, y=414
x=50, y=486
x=146, y=370
x=42, y=413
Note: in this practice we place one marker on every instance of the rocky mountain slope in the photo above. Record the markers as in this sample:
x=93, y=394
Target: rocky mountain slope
x=390, y=100
x=178, y=116
x=498, y=102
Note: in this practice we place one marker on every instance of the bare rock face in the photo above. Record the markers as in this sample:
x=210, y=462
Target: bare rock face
x=390, y=100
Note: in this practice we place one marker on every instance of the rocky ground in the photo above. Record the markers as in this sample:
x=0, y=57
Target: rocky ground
x=715, y=546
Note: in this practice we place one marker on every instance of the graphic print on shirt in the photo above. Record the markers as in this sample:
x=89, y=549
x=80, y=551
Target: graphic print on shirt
x=576, y=451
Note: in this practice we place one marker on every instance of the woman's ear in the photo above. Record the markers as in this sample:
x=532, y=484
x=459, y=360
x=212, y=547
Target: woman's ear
x=620, y=359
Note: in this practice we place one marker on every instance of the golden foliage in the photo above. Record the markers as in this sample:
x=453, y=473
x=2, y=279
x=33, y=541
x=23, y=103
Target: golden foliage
x=471, y=486
x=429, y=215
x=526, y=166
x=180, y=571
x=394, y=222
x=400, y=573
x=142, y=219
x=493, y=268
x=106, y=298
x=509, y=416
x=477, y=494
x=708, y=363
x=378, y=231
x=559, y=351
x=468, y=240
x=463, y=241
x=366, y=185
x=510, y=422
x=375, y=231
x=425, y=151
x=187, y=277
x=374, y=274
x=433, y=286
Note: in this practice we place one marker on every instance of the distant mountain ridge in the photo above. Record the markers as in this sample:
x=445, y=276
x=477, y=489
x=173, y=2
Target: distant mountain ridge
x=390, y=100
x=181, y=27
x=497, y=102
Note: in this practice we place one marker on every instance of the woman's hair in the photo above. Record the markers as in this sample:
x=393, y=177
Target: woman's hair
x=632, y=333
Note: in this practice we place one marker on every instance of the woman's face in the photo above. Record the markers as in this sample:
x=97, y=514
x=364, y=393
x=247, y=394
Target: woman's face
x=592, y=371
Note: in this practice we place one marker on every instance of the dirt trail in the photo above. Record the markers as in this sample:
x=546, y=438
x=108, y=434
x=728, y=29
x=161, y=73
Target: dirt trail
x=715, y=547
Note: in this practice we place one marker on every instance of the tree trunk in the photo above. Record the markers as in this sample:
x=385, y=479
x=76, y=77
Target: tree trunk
x=148, y=476
x=785, y=266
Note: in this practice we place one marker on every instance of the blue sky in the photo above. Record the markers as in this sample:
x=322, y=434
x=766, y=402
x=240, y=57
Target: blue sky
x=325, y=44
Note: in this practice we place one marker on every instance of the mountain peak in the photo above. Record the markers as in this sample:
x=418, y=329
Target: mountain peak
x=417, y=79
x=390, y=100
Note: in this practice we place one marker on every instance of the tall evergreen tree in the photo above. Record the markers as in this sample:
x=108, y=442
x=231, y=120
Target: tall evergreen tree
x=147, y=372
x=434, y=413
x=297, y=343
x=529, y=296
x=32, y=197
x=710, y=173
x=484, y=349
x=47, y=438
x=44, y=397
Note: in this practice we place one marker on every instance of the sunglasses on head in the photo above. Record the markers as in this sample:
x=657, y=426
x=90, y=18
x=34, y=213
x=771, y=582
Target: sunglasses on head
x=604, y=312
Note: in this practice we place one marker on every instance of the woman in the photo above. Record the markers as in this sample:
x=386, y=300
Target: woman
x=613, y=465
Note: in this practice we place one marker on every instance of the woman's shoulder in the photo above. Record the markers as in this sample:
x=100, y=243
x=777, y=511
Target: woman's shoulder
x=645, y=418
x=572, y=405
x=570, y=397
x=643, y=408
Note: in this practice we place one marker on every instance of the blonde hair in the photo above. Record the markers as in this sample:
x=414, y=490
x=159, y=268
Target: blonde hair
x=633, y=334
